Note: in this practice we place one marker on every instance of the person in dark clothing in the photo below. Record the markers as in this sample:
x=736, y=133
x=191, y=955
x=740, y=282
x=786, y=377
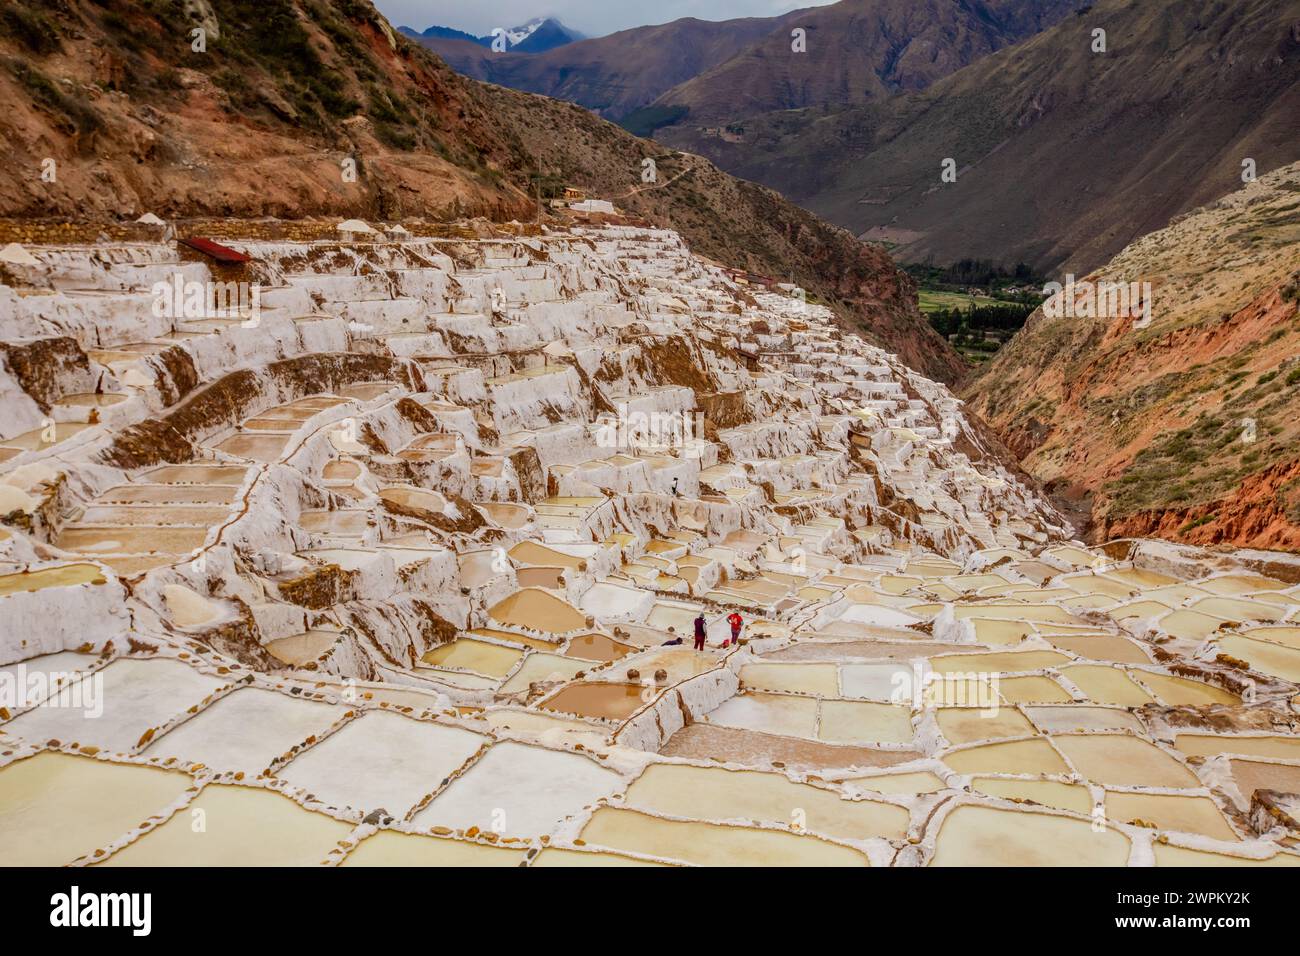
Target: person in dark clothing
x=674, y=487
x=673, y=639
x=699, y=632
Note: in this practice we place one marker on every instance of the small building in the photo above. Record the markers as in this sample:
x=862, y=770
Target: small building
x=573, y=195
x=593, y=205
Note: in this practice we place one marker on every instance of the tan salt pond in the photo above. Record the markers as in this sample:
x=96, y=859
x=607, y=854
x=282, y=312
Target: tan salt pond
x=420, y=498
x=859, y=722
x=492, y=660
x=1171, y=855
x=195, y=516
x=1286, y=636
x=819, y=679
x=341, y=470
x=597, y=647
x=1239, y=609
x=510, y=636
x=1208, y=745
x=136, y=540
x=989, y=631
x=241, y=826
x=228, y=475
x=504, y=514
x=365, y=391
x=1004, y=663
x=1106, y=685
x=346, y=523
x=768, y=713
x=188, y=608
x=1140, y=577
x=1030, y=757
x=390, y=848
x=1170, y=812
x=1048, y=793
x=263, y=448
x=986, y=836
x=1263, y=656
x=1060, y=720
x=1101, y=647
x=1190, y=625
x=1046, y=613
x=65, y=575
x=1180, y=691
x=967, y=725
x=300, y=649
x=93, y=399
x=1138, y=609
x=708, y=793
x=55, y=808
x=610, y=701
x=1123, y=761
x=539, y=610
x=141, y=494
x=544, y=667
x=1094, y=584
x=532, y=722
x=36, y=440
x=1032, y=690
x=921, y=781
x=707, y=844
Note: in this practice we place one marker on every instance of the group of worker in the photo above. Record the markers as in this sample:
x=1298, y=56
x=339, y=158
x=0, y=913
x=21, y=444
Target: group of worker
x=734, y=619
x=701, y=631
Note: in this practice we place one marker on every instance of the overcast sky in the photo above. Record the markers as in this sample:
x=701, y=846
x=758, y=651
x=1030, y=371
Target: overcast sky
x=592, y=17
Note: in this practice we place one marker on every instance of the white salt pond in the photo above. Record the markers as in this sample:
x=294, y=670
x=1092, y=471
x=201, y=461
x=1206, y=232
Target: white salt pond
x=519, y=791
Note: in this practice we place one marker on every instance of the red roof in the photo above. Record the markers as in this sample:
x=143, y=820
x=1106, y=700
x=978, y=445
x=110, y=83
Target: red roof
x=215, y=250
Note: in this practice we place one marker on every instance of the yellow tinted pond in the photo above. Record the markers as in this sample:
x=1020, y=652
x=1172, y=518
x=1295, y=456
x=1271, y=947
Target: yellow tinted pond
x=65, y=575
x=478, y=656
x=55, y=808
x=707, y=844
x=985, y=836
x=709, y=793
x=237, y=826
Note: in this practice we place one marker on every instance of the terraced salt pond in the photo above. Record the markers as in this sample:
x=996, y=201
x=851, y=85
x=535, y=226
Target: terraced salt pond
x=413, y=609
x=55, y=808
x=608, y=701
x=236, y=826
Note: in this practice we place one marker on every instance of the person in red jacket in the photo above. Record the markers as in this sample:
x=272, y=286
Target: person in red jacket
x=736, y=622
x=699, y=632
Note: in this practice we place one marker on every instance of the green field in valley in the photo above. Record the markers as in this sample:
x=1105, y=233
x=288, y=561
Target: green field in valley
x=932, y=301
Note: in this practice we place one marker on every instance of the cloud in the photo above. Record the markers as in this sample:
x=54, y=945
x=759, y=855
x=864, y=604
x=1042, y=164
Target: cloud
x=592, y=17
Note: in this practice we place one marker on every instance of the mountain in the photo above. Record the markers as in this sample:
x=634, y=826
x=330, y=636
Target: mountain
x=293, y=95
x=855, y=52
x=535, y=36
x=540, y=35
x=1186, y=427
x=442, y=33
x=1064, y=155
x=612, y=75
